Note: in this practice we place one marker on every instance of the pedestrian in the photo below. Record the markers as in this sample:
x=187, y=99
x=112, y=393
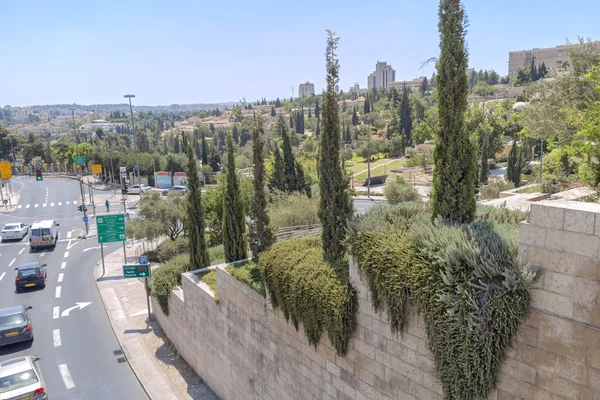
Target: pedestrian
x=107, y=204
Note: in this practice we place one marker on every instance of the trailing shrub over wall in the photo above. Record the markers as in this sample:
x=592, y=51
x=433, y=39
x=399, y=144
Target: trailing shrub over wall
x=166, y=277
x=309, y=291
x=466, y=280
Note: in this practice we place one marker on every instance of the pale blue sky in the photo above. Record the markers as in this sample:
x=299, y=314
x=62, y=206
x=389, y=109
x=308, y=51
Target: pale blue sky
x=66, y=51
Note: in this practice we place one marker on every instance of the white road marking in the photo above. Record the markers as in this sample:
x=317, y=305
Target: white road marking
x=66, y=254
x=44, y=205
x=60, y=277
x=80, y=306
x=28, y=205
x=69, y=234
x=67, y=203
x=35, y=205
x=51, y=204
x=42, y=254
x=91, y=248
x=19, y=206
x=56, y=312
x=57, y=292
x=12, y=262
x=63, y=265
x=60, y=203
x=22, y=250
x=56, y=336
x=74, y=203
x=64, y=371
x=2, y=276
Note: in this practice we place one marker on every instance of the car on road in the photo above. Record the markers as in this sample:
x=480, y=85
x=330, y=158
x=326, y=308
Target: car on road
x=21, y=378
x=15, y=325
x=31, y=275
x=137, y=189
x=178, y=189
x=14, y=231
x=43, y=234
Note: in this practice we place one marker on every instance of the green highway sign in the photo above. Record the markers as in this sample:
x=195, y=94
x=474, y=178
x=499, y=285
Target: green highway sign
x=111, y=228
x=136, y=271
x=80, y=160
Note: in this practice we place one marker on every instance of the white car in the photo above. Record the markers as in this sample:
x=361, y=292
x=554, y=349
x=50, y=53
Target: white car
x=15, y=231
x=136, y=189
x=21, y=378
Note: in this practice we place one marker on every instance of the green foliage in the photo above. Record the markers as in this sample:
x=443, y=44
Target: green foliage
x=170, y=248
x=493, y=188
x=295, y=209
x=158, y=217
x=500, y=215
x=335, y=202
x=466, y=280
x=454, y=174
x=395, y=192
x=482, y=88
x=249, y=273
x=234, y=222
x=241, y=162
x=210, y=278
x=309, y=292
x=216, y=254
x=166, y=277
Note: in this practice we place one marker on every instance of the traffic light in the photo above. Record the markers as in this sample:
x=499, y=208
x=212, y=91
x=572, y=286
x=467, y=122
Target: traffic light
x=38, y=174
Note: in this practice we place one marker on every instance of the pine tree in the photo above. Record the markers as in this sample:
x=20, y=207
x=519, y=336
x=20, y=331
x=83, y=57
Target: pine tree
x=455, y=170
x=277, y=178
x=354, y=117
x=277, y=103
x=273, y=112
x=406, y=118
x=335, y=206
x=261, y=235
x=234, y=221
x=204, y=151
x=195, y=215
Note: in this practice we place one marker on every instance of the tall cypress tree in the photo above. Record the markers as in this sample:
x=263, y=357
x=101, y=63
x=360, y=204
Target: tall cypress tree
x=235, y=134
x=176, y=145
x=292, y=121
x=309, y=113
x=406, y=118
x=234, y=220
x=277, y=178
x=261, y=235
x=335, y=206
x=454, y=155
x=273, y=112
x=317, y=110
x=366, y=107
x=195, y=215
x=289, y=162
x=354, y=117
x=204, y=151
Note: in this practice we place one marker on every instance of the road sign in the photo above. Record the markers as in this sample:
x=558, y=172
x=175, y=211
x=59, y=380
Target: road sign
x=5, y=170
x=96, y=168
x=143, y=260
x=111, y=228
x=5, y=201
x=85, y=219
x=136, y=271
x=80, y=160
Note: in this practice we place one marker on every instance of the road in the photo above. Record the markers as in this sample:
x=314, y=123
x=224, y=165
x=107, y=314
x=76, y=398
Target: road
x=80, y=356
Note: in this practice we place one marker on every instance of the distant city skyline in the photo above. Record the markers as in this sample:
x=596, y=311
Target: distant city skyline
x=65, y=52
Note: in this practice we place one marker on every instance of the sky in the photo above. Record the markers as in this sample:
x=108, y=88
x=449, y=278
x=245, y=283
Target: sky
x=185, y=51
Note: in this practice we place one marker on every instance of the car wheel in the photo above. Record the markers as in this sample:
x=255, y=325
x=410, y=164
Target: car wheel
x=18, y=289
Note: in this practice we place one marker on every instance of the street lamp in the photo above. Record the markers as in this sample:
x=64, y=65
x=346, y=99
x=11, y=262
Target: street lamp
x=75, y=130
x=137, y=163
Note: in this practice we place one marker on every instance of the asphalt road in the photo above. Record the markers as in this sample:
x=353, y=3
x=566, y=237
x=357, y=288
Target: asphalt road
x=362, y=205
x=80, y=356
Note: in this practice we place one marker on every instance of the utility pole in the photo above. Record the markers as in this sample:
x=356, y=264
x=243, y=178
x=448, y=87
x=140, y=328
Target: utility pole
x=137, y=161
x=87, y=227
x=541, y=156
x=369, y=165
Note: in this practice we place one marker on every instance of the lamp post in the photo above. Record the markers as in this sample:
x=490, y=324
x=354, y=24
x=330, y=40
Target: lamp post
x=137, y=163
x=76, y=134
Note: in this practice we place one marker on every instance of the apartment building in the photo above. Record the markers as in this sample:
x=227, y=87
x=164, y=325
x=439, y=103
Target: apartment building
x=381, y=77
x=306, y=89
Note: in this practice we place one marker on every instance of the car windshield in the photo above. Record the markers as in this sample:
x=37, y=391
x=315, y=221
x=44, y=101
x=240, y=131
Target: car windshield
x=10, y=227
x=18, y=381
x=29, y=271
x=36, y=232
x=14, y=319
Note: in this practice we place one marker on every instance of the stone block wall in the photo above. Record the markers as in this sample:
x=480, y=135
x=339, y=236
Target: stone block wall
x=244, y=349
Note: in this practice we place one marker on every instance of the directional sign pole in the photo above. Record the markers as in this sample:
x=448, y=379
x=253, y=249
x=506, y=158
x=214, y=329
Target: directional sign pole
x=147, y=297
x=124, y=253
x=2, y=196
x=102, y=254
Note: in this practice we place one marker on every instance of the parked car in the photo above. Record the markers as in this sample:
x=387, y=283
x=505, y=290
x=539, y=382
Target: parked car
x=30, y=275
x=15, y=325
x=137, y=189
x=16, y=231
x=178, y=189
x=21, y=378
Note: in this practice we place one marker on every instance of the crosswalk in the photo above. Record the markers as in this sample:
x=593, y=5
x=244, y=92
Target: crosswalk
x=46, y=205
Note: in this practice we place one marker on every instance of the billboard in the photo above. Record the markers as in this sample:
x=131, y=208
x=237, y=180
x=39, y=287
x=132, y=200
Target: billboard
x=96, y=168
x=5, y=170
x=179, y=179
x=163, y=180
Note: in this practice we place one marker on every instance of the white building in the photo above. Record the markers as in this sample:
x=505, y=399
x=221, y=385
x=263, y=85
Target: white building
x=306, y=89
x=413, y=86
x=382, y=76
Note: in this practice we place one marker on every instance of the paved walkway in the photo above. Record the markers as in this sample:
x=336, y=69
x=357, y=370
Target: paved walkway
x=125, y=303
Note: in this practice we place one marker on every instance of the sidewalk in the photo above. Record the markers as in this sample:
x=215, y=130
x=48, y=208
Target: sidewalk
x=156, y=363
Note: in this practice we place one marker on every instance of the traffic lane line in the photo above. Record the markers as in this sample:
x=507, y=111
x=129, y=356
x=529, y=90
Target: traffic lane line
x=66, y=254
x=12, y=262
x=57, y=292
x=22, y=250
x=56, y=338
x=63, y=265
x=60, y=277
x=56, y=312
x=2, y=276
x=64, y=372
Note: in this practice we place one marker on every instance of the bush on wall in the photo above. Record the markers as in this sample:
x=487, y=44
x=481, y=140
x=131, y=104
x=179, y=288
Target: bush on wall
x=166, y=277
x=309, y=292
x=466, y=280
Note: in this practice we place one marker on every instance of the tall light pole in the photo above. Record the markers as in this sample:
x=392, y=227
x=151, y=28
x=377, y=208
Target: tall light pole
x=76, y=135
x=137, y=162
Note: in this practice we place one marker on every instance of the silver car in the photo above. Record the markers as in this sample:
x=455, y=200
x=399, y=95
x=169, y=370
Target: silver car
x=21, y=378
x=15, y=325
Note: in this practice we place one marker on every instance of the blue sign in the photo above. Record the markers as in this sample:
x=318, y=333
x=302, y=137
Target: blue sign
x=143, y=260
x=5, y=201
x=85, y=219
x=127, y=216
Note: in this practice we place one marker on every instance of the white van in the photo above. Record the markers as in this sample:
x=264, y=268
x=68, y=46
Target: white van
x=43, y=234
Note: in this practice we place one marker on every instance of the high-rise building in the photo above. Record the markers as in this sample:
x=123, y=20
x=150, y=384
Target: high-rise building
x=554, y=58
x=383, y=75
x=306, y=89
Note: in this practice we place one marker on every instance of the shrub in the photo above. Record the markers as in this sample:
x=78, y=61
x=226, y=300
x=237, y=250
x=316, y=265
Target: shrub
x=294, y=209
x=170, y=248
x=216, y=255
x=494, y=187
x=210, y=278
x=166, y=277
x=309, y=291
x=415, y=160
x=249, y=273
x=399, y=193
x=501, y=215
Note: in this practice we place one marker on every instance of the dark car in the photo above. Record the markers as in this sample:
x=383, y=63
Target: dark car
x=15, y=325
x=30, y=275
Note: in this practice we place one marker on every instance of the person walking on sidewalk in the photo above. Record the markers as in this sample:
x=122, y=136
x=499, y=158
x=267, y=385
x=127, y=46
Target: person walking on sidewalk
x=107, y=204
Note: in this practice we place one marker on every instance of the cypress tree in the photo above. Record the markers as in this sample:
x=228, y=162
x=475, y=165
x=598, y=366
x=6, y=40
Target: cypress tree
x=204, y=151
x=273, y=112
x=454, y=155
x=195, y=215
x=318, y=128
x=354, y=117
x=184, y=143
x=234, y=221
x=277, y=103
x=292, y=120
x=309, y=113
x=366, y=106
x=406, y=118
x=261, y=235
x=289, y=163
x=317, y=110
x=277, y=179
x=197, y=149
x=348, y=135
x=335, y=206
x=235, y=134
x=176, y=144
x=423, y=87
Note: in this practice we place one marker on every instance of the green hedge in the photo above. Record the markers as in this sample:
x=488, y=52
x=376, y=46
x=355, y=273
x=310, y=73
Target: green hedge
x=248, y=272
x=210, y=278
x=466, y=280
x=309, y=292
x=166, y=277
